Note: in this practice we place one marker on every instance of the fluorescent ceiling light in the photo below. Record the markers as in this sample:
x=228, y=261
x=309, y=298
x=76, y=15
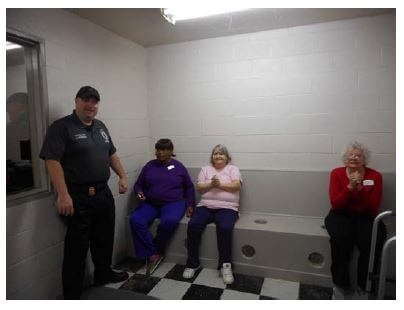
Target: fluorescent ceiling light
x=173, y=15
x=11, y=46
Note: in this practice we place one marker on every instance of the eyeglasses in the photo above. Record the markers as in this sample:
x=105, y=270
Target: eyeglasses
x=354, y=156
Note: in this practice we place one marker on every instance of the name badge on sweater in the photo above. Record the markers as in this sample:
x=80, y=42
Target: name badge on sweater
x=368, y=182
x=170, y=167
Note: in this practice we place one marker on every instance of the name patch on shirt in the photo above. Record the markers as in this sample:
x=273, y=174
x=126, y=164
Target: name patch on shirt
x=80, y=136
x=368, y=182
x=170, y=167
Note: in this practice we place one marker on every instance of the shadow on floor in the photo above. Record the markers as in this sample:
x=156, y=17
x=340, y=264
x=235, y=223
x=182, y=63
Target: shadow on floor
x=107, y=293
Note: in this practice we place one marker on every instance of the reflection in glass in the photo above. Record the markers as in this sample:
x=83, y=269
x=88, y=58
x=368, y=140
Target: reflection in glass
x=18, y=146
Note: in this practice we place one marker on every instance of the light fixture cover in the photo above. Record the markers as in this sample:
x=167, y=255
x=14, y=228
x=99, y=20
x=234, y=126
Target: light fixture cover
x=175, y=14
x=168, y=16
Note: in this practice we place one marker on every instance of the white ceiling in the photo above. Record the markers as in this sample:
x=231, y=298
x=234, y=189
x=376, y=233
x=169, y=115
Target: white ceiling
x=148, y=28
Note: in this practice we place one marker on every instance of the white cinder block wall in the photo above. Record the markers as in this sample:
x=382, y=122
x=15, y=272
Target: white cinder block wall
x=77, y=53
x=281, y=99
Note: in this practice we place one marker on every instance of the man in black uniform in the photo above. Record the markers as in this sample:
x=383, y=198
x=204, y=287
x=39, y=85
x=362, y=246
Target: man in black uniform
x=78, y=152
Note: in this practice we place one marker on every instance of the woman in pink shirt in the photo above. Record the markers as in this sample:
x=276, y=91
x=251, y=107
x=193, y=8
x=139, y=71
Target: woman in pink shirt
x=219, y=184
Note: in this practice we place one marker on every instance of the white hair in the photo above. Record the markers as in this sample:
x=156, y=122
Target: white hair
x=356, y=146
x=221, y=149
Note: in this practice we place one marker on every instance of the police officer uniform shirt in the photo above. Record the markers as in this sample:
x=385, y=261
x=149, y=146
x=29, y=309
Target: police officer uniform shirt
x=83, y=151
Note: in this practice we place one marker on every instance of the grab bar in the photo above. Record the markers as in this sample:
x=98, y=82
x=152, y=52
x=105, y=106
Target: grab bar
x=383, y=268
x=373, y=246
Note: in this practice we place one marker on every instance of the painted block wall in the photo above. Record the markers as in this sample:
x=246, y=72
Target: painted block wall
x=286, y=99
x=77, y=53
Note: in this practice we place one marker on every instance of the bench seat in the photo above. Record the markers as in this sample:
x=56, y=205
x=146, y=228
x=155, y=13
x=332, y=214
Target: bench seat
x=272, y=245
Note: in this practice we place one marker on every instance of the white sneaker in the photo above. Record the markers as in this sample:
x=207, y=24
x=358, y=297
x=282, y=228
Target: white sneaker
x=227, y=273
x=189, y=272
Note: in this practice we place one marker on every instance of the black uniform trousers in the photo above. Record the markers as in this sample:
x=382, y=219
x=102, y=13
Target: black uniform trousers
x=92, y=226
x=347, y=229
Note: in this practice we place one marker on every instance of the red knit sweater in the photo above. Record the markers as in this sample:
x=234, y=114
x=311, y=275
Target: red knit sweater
x=366, y=200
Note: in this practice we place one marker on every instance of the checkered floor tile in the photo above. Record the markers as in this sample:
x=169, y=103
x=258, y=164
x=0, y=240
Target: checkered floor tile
x=167, y=283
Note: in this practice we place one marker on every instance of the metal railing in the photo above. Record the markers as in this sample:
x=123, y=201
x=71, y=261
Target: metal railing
x=382, y=275
x=383, y=268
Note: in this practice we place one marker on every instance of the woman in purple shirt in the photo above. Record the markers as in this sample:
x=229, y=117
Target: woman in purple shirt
x=165, y=190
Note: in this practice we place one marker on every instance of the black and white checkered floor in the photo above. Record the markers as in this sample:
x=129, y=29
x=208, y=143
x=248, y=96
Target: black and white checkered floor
x=167, y=283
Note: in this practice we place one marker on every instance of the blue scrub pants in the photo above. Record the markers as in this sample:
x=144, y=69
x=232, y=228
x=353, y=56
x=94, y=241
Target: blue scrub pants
x=170, y=215
x=224, y=220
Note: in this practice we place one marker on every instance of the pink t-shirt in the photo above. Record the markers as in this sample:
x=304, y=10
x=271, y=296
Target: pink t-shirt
x=217, y=198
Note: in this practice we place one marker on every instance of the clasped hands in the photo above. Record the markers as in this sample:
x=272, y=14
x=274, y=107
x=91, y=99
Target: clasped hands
x=215, y=182
x=355, y=180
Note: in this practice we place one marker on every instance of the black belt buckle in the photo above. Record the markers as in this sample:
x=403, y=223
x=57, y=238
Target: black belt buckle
x=91, y=191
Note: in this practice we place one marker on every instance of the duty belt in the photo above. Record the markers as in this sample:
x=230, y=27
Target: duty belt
x=90, y=190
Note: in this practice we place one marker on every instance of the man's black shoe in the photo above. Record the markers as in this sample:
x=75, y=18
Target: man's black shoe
x=113, y=277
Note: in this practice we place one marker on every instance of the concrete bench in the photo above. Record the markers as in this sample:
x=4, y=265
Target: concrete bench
x=277, y=246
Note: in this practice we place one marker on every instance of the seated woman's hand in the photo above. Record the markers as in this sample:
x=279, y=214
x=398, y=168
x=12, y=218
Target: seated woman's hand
x=215, y=182
x=355, y=180
x=358, y=179
x=141, y=196
x=189, y=212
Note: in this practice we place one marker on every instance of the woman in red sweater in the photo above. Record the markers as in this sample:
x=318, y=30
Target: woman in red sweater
x=355, y=194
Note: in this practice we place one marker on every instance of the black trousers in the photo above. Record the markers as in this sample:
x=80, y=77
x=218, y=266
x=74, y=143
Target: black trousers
x=92, y=226
x=346, y=230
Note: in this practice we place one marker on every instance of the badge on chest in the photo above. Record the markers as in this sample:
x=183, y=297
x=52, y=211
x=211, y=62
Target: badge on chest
x=368, y=182
x=104, y=136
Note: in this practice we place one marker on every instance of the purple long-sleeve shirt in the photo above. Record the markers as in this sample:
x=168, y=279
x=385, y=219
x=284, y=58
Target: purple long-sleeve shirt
x=165, y=182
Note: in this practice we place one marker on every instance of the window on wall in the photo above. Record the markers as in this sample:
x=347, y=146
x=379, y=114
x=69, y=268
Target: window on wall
x=25, y=111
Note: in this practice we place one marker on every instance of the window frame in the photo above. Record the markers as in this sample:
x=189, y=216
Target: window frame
x=38, y=110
